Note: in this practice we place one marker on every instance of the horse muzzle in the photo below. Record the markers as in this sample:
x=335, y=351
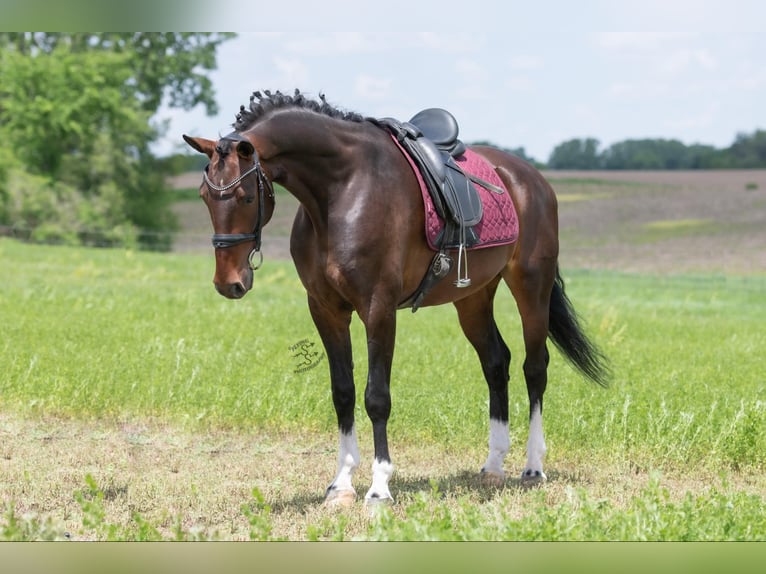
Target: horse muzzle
x=232, y=279
x=235, y=289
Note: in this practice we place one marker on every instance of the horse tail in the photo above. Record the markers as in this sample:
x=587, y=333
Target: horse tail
x=566, y=333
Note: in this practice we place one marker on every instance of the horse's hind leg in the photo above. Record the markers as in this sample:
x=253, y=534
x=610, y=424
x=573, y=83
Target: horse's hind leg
x=531, y=285
x=478, y=324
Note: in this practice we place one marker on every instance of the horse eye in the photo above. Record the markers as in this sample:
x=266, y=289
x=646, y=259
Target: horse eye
x=249, y=199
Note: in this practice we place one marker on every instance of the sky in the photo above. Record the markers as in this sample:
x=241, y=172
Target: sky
x=510, y=76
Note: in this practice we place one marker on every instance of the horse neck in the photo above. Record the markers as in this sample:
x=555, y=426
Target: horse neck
x=306, y=152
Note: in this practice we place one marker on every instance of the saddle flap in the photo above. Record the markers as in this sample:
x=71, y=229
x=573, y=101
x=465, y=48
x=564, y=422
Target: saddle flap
x=461, y=195
x=434, y=159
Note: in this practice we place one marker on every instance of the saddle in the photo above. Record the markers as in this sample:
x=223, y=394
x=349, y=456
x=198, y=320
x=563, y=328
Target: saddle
x=431, y=140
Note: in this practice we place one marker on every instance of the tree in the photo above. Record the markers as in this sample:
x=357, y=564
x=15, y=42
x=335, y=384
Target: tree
x=748, y=150
x=170, y=63
x=518, y=151
x=575, y=154
x=75, y=114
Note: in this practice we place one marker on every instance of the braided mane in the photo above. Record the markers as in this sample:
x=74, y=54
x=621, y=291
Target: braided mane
x=262, y=103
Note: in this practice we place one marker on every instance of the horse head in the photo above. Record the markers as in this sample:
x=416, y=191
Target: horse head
x=240, y=200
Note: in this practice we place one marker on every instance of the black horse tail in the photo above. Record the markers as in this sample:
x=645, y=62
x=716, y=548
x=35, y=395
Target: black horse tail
x=566, y=333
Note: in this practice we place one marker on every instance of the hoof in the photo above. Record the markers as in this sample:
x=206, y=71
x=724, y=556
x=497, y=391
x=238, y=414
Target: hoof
x=533, y=477
x=492, y=478
x=339, y=498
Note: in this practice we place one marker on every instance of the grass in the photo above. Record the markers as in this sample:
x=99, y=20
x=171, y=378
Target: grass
x=136, y=403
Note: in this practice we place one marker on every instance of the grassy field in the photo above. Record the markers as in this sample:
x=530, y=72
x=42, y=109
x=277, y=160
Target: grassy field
x=137, y=404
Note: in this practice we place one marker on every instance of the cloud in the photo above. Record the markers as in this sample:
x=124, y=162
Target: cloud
x=291, y=72
x=327, y=44
x=683, y=59
x=626, y=91
x=372, y=87
x=627, y=42
x=692, y=121
x=526, y=62
x=449, y=44
x=519, y=83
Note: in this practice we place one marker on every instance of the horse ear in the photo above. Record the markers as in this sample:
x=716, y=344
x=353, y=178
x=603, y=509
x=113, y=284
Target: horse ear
x=202, y=145
x=245, y=149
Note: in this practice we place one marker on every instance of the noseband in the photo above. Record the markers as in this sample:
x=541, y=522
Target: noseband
x=226, y=240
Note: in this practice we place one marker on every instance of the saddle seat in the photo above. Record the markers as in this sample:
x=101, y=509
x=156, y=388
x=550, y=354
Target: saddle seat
x=441, y=128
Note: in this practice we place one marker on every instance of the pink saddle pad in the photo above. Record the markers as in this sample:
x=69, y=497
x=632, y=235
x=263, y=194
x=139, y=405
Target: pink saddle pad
x=499, y=224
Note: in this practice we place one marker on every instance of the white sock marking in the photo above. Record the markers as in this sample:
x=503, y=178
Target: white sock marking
x=536, y=443
x=348, y=461
x=381, y=473
x=499, y=443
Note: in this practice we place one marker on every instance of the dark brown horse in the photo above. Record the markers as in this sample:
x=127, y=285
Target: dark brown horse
x=358, y=244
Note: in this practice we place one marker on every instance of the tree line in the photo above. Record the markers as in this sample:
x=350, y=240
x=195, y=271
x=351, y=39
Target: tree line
x=747, y=151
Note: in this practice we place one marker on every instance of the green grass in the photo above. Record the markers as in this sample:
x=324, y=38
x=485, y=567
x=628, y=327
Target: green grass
x=110, y=335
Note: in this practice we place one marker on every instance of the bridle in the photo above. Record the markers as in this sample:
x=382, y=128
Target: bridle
x=226, y=240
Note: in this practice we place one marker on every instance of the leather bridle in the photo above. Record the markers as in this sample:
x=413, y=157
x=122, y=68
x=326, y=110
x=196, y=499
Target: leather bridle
x=227, y=240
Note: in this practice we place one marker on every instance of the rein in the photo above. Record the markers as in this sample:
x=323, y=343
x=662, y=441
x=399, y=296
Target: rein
x=226, y=240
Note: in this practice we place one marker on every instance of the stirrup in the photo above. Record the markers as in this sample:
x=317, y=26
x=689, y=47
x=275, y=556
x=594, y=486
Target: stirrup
x=462, y=266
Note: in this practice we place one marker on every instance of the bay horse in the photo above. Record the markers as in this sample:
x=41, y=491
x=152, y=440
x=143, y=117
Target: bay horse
x=358, y=245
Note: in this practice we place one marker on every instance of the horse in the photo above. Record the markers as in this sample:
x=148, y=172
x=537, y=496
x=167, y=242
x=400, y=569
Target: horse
x=358, y=245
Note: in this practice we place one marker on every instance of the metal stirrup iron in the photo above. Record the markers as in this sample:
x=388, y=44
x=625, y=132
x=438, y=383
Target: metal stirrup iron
x=462, y=259
x=462, y=267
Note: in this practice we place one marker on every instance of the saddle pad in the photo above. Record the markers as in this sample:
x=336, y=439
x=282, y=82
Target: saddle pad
x=498, y=226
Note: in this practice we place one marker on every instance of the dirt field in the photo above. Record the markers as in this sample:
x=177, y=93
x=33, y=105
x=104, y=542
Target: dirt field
x=664, y=221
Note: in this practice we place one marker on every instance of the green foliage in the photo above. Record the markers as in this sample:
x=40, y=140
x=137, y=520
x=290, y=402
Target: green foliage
x=575, y=154
x=41, y=209
x=173, y=64
x=75, y=112
x=258, y=515
x=748, y=151
x=517, y=151
x=179, y=163
x=28, y=527
x=653, y=516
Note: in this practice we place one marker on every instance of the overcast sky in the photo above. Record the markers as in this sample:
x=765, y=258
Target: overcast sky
x=513, y=83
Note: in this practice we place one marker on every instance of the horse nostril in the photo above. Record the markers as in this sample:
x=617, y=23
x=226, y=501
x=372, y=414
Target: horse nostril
x=237, y=290
x=231, y=290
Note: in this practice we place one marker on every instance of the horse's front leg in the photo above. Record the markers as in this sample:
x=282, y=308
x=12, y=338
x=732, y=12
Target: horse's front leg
x=381, y=335
x=333, y=327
